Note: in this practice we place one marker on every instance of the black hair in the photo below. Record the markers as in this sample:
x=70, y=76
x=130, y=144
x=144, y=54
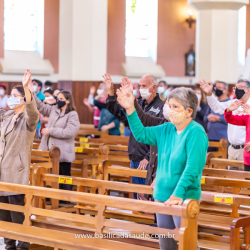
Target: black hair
x=49, y=90
x=39, y=83
x=68, y=96
x=48, y=83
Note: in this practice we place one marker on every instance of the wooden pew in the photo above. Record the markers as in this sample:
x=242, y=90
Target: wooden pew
x=237, y=224
x=50, y=161
x=214, y=228
x=222, y=146
x=59, y=229
x=90, y=131
x=223, y=163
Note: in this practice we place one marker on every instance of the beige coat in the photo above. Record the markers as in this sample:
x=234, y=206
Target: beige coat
x=63, y=128
x=16, y=145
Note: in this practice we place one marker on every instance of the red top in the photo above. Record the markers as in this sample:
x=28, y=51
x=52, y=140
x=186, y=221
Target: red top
x=241, y=120
x=97, y=113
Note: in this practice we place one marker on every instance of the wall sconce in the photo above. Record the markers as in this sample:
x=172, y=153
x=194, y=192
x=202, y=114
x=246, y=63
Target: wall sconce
x=190, y=20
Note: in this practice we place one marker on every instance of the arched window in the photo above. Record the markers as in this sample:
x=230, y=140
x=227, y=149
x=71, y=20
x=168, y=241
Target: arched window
x=141, y=28
x=21, y=24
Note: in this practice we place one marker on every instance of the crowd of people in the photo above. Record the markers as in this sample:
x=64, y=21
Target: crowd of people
x=168, y=128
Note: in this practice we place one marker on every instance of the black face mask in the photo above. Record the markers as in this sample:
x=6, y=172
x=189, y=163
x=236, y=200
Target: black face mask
x=218, y=92
x=60, y=104
x=239, y=93
x=55, y=97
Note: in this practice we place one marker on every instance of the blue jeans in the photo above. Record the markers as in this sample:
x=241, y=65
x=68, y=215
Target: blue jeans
x=137, y=180
x=127, y=131
x=38, y=133
x=169, y=222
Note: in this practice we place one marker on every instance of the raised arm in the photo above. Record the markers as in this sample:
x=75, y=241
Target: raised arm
x=239, y=120
x=31, y=112
x=214, y=104
x=146, y=119
x=146, y=135
x=44, y=109
x=112, y=105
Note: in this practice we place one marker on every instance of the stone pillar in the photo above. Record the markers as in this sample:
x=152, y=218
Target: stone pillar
x=217, y=39
x=82, y=40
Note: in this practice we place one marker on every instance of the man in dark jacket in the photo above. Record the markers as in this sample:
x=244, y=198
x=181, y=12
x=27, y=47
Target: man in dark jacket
x=139, y=153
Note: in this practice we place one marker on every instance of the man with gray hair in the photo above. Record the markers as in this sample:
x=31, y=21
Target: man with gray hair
x=236, y=134
x=150, y=102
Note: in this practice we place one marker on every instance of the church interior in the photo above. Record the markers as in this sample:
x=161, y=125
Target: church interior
x=125, y=124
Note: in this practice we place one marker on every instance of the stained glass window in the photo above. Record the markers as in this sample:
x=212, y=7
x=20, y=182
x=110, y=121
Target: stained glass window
x=20, y=24
x=141, y=28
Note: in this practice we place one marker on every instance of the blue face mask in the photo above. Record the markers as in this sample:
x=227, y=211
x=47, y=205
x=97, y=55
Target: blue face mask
x=165, y=94
x=13, y=101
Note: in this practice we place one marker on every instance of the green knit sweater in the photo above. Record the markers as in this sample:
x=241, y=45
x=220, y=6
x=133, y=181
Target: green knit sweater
x=181, y=157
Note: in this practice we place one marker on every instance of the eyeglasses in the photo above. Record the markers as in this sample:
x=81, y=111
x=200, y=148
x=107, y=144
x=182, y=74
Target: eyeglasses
x=14, y=96
x=239, y=87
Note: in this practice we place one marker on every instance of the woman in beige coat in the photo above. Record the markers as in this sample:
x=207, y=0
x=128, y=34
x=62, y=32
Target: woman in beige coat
x=63, y=124
x=18, y=127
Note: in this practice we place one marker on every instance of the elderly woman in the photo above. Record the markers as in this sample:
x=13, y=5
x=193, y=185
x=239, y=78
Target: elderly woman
x=18, y=127
x=182, y=147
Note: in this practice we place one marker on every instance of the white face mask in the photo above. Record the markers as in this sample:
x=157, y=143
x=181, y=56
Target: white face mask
x=13, y=101
x=145, y=94
x=198, y=96
x=1, y=92
x=49, y=98
x=166, y=111
x=160, y=90
x=99, y=91
x=135, y=92
x=34, y=88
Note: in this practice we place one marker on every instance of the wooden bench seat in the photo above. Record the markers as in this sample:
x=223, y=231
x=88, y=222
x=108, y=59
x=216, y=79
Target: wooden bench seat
x=50, y=234
x=223, y=163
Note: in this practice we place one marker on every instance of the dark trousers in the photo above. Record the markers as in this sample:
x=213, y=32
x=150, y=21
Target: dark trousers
x=212, y=149
x=65, y=169
x=137, y=180
x=15, y=217
x=246, y=167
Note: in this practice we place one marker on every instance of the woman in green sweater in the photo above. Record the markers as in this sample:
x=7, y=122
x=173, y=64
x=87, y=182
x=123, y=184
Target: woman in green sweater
x=182, y=149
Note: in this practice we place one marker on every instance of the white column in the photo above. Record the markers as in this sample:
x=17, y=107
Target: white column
x=217, y=39
x=82, y=39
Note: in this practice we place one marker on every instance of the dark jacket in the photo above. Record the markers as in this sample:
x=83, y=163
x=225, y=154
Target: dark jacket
x=137, y=151
x=106, y=118
x=216, y=130
x=149, y=121
x=201, y=114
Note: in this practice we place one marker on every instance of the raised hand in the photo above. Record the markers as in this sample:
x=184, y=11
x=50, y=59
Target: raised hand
x=127, y=85
x=126, y=100
x=206, y=87
x=86, y=102
x=109, y=83
x=234, y=105
x=246, y=108
x=26, y=78
x=92, y=90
